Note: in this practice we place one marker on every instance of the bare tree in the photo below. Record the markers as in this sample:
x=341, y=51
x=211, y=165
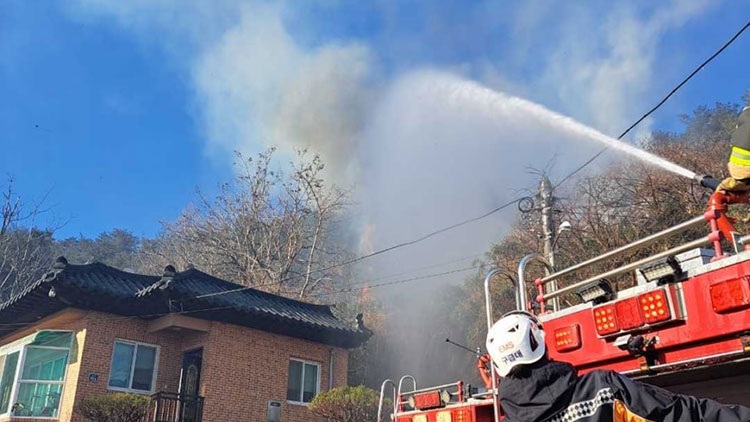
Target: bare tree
x=266, y=229
x=25, y=249
x=324, y=204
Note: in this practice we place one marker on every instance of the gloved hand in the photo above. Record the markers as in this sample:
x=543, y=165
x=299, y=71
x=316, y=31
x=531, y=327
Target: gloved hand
x=730, y=184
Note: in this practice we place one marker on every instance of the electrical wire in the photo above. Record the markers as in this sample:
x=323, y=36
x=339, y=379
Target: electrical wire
x=366, y=256
x=405, y=280
x=426, y=267
x=659, y=104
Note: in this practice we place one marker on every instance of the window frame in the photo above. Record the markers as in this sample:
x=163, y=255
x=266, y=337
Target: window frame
x=135, y=345
x=14, y=388
x=21, y=346
x=302, y=381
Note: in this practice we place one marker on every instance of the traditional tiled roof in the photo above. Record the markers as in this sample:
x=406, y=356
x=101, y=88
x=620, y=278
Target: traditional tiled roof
x=192, y=292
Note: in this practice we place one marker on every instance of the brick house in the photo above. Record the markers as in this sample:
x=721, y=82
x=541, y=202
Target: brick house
x=203, y=348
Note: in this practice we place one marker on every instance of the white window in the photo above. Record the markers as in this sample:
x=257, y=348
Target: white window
x=133, y=366
x=33, y=374
x=303, y=381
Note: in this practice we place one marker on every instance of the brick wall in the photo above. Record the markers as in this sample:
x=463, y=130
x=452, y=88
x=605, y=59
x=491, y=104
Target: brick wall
x=101, y=331
x=242, y=368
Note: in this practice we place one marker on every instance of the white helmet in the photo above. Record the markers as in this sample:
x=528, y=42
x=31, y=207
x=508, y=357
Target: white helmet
x=516, y=339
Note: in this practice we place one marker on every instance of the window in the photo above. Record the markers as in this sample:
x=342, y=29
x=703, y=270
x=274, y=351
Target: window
x=303, y=381
x=33, y=373
x=40, y=384
x=7, y=380
x=133, y=366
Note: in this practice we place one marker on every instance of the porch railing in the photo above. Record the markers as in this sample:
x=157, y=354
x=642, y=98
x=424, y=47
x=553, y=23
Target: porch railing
x=175, y=407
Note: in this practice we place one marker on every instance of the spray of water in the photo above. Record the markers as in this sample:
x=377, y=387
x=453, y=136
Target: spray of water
x=436, y=150
x=496, y=102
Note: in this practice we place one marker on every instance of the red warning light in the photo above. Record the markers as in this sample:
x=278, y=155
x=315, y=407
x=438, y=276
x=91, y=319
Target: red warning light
x=568, y=338
x=730, y=295
x=654, y=306
x=605, y=320
x=629, y=314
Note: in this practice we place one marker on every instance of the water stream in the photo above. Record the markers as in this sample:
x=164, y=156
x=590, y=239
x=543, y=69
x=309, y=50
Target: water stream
x=496, y=102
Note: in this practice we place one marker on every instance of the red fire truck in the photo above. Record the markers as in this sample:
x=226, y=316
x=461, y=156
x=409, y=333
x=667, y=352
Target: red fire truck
x=684, y=325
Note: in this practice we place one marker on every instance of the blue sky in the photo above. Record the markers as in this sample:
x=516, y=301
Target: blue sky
x=118, y=111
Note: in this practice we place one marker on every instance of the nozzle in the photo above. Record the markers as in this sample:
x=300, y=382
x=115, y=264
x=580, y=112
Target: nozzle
x=707, y=181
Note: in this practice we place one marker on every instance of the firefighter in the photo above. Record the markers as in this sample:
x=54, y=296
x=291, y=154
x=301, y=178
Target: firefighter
x=739, y=158
x=534, y=388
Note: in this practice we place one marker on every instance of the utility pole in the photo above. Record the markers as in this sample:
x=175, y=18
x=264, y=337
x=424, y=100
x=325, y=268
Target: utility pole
x=548, y=224
x=548, y=228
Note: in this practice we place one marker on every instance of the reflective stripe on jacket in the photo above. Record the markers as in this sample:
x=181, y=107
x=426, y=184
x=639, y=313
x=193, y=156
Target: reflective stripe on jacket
x=740, y=156
x=741, y=140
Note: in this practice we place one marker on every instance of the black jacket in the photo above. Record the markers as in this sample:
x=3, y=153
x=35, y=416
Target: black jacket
x=553, y=392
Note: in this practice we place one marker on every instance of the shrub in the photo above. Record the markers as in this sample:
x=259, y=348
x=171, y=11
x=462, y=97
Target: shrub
x=117, y=407
x=347, y=404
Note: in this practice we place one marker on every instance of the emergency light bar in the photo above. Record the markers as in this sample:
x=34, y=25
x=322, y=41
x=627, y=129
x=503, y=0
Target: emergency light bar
x=644, y=310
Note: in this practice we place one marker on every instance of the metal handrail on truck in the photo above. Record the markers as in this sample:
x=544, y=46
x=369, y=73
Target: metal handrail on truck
x=720, y=225
x=520, y=305
x=540, y=283
x=399, y=401
x=386, y=383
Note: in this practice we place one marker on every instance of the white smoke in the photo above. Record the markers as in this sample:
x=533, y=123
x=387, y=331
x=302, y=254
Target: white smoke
x=257, y=87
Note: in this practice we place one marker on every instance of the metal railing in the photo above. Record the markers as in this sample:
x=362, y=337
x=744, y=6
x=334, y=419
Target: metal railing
x=400, y=391
x=175, y=407
x=520, y=305
x=630, y=267
x=638, y=244
x=552, y=276
x=524, y=262
x=385, y=384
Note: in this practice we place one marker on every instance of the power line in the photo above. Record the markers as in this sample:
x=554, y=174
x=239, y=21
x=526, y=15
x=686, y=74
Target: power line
x=368, y=284
x=370, y=255
x=426, y=267
x=659, y=104
x=405, y=280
